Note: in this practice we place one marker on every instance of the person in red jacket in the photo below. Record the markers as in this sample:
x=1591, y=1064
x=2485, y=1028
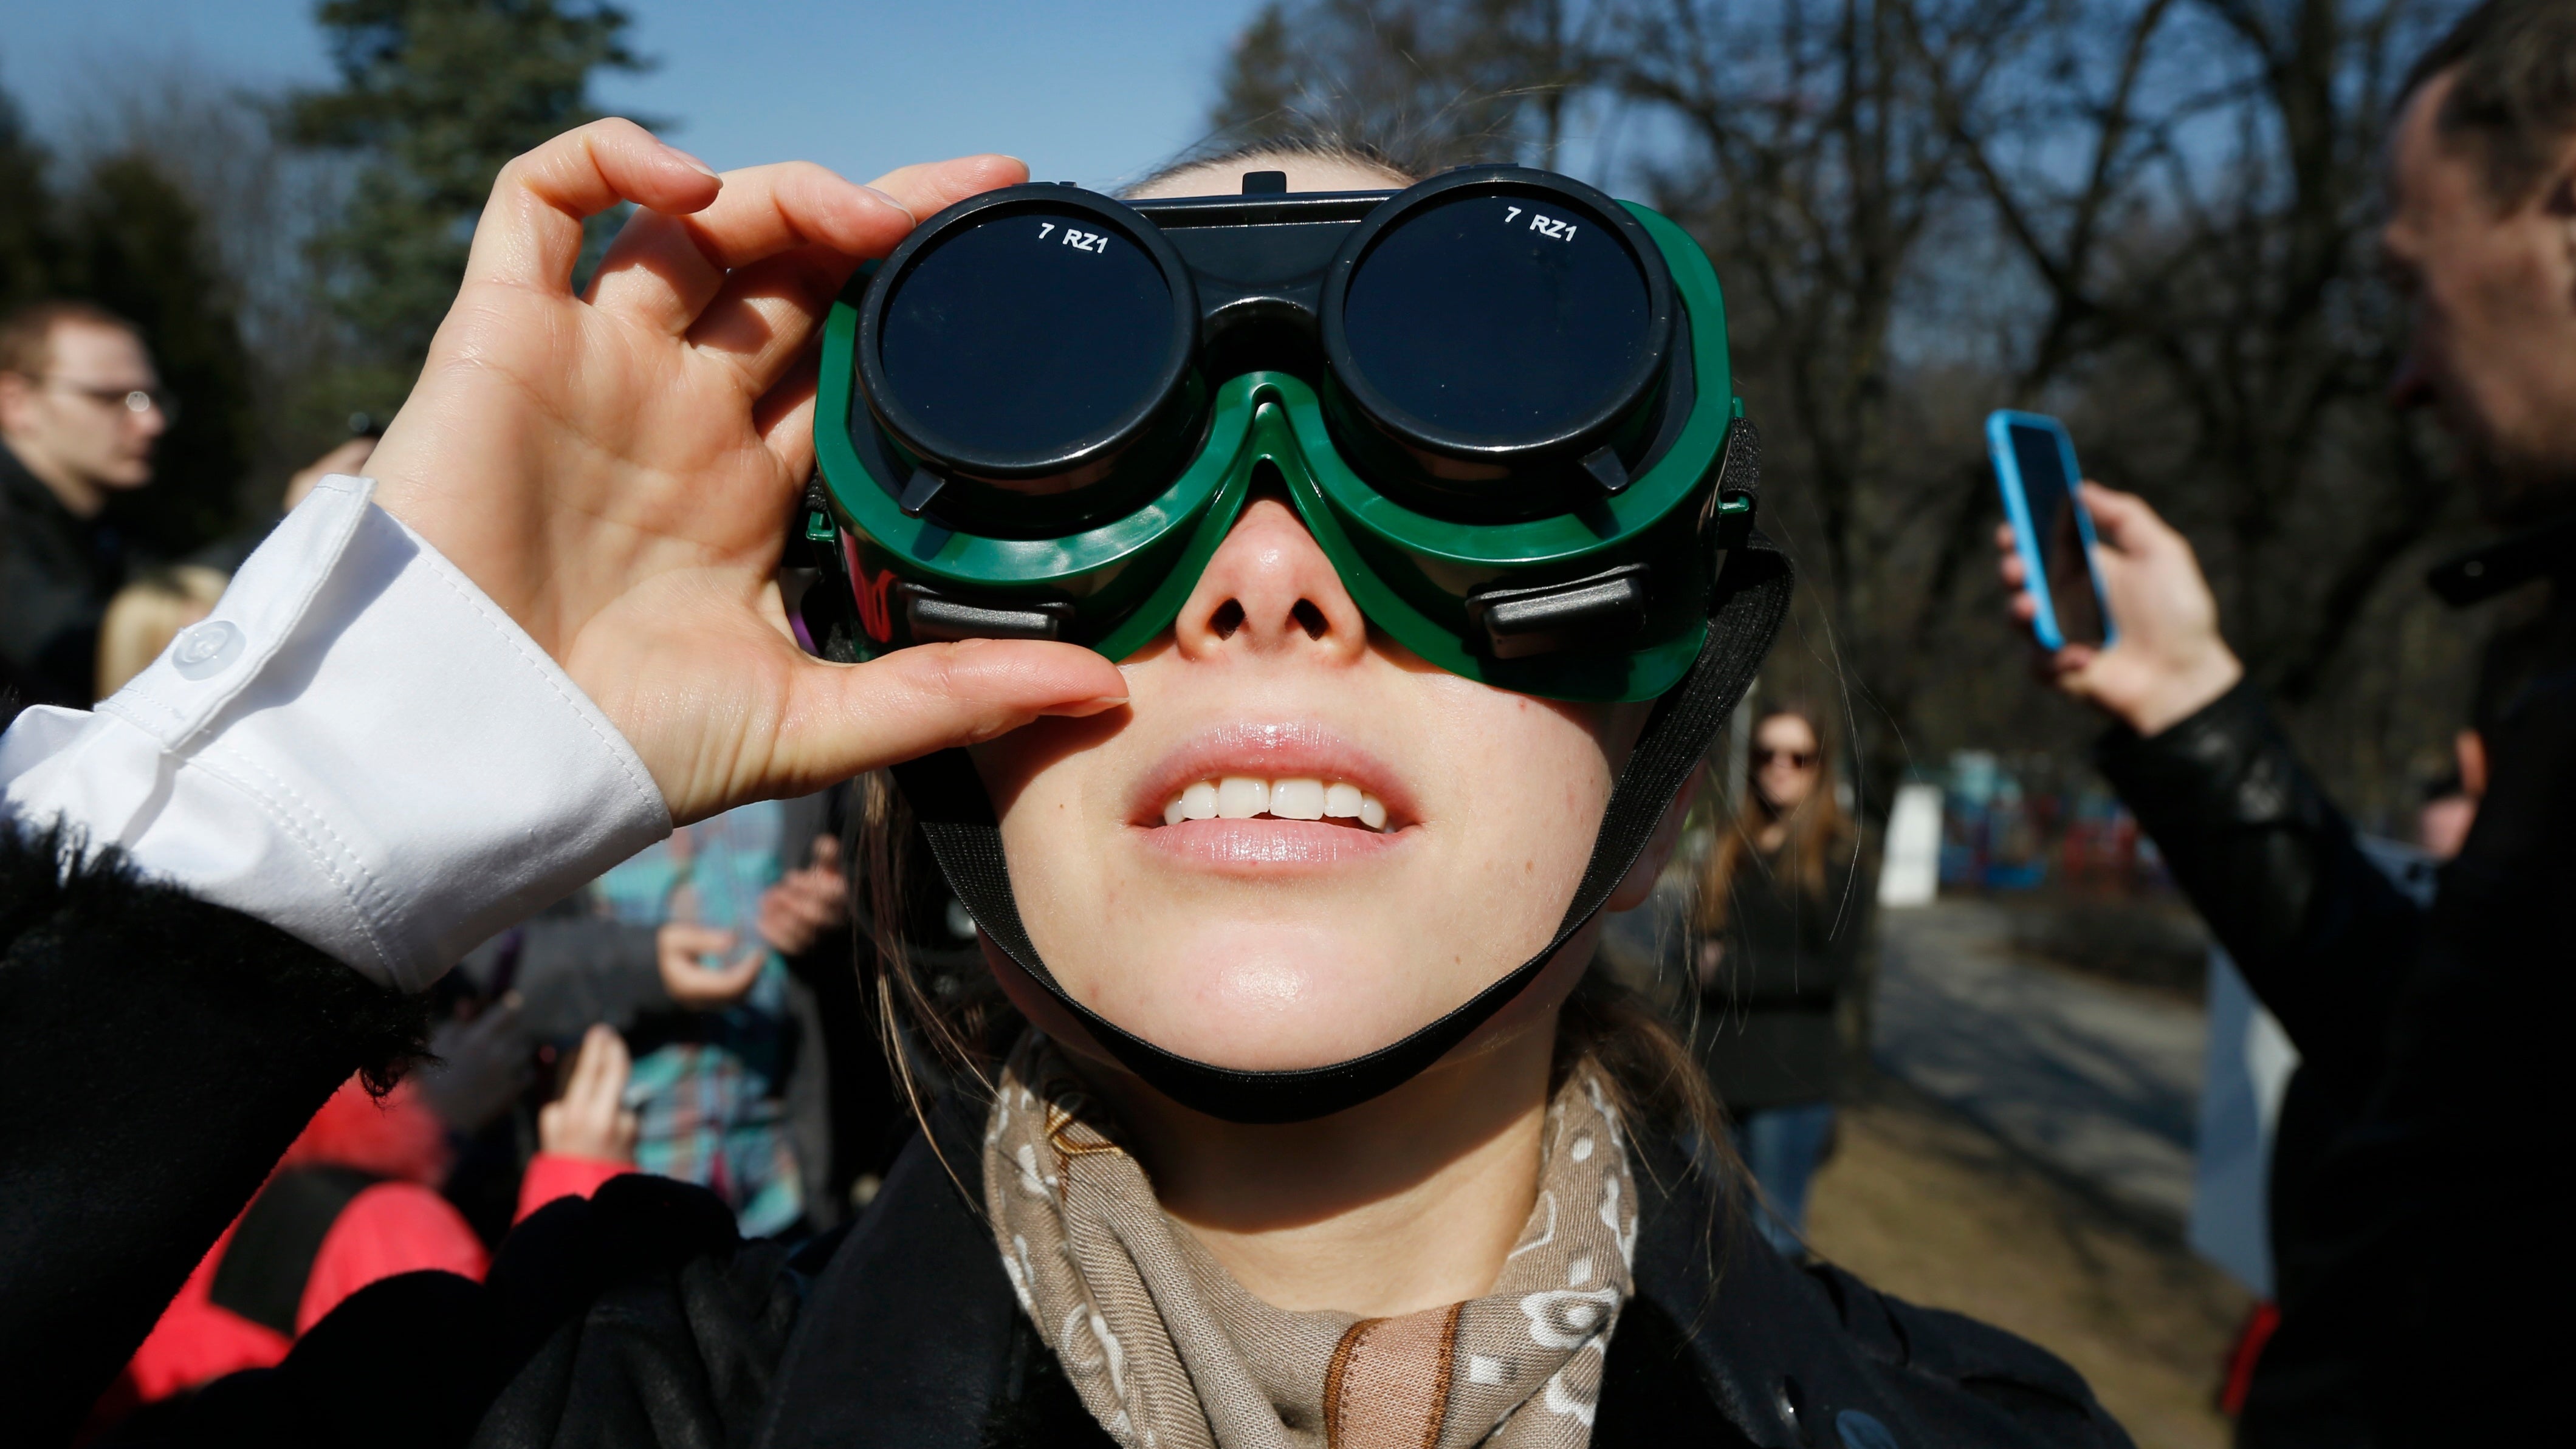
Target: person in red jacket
x=355, y=1200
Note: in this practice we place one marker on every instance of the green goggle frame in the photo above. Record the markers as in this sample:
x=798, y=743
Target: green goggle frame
x=1441, y=588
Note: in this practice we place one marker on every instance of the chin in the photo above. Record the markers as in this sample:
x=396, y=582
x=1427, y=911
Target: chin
x=1257, y=997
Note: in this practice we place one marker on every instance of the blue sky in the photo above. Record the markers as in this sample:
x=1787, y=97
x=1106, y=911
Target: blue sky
x=1091, y=93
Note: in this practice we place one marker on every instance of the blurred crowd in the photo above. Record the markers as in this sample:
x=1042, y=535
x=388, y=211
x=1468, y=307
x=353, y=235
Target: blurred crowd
x=692, y=1013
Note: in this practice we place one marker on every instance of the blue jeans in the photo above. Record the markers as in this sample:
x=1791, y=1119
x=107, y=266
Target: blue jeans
x=1781, y=1146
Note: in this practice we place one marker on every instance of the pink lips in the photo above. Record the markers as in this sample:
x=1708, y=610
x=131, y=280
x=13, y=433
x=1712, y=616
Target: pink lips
x=1265, y=844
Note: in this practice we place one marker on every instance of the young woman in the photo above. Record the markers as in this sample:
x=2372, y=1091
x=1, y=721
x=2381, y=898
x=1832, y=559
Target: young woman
x=1779, y=920
x=1500, y=1248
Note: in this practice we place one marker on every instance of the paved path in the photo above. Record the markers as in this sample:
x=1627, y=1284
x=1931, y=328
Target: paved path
x=2101, y=1082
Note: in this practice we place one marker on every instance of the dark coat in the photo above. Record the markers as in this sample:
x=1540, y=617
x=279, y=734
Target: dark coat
x=1769, y=1028
x=2418, y=1219
x=57, y=573
x=178, y=1047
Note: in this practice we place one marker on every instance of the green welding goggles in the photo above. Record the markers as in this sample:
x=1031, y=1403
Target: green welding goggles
x=1499, y=400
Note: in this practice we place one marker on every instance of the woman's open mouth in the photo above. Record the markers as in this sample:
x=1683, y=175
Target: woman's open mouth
x=1245, y=797
x=1268, y=796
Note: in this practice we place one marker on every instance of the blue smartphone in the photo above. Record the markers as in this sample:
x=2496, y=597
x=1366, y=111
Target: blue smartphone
x=2035, y=467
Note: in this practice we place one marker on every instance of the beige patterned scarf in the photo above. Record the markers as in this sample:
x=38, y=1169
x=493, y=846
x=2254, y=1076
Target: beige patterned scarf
x=1169, y=1352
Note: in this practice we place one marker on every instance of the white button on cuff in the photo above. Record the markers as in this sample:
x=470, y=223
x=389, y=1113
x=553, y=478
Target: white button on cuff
x=203, y=651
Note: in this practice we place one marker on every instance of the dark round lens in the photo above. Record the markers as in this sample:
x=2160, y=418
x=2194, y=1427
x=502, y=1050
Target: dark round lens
x=1026, y=335
x=1499, y=318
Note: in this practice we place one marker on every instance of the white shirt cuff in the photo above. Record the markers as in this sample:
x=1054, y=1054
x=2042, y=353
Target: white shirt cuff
x=357, y=747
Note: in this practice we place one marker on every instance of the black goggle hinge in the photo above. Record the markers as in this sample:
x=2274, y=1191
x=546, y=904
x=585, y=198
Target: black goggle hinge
x=931, y=617
x=1520, y=623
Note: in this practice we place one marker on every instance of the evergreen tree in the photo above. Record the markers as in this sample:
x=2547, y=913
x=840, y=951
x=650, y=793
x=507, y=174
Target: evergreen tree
x=128, y=238
x=26, y=208
x=434, y=97
x=133, y=242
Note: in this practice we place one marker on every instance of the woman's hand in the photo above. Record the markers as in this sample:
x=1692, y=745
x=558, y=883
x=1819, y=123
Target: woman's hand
x=478, y=1067
x=679, y=947
x=806, y=903
x=617, y=470
x=2170, y=659
x=590, y=1119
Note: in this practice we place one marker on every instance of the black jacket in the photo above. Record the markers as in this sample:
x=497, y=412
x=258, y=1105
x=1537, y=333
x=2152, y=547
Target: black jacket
x=57, y=573
x=1769, y=1031
x=2418, y=1221
x=172, y=1049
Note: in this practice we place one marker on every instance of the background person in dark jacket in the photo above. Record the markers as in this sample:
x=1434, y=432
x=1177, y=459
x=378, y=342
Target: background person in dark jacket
x=1778, y=920
x=80, y=408
x=2417, y=1193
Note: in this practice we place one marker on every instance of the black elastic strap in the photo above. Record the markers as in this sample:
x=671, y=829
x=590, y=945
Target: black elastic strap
x=270, y=1258
x=1746, y=608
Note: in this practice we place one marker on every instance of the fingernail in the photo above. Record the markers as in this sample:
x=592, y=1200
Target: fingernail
x=888, y=200
x=701, y=167
x=1086, y=708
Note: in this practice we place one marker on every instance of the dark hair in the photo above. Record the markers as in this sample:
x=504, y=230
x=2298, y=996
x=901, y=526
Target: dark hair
x=27, y=333
x=2514, y=98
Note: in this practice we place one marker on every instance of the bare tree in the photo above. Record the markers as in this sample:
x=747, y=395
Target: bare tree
x=1437, y=84
x=2217, y=232
x=2152, y=216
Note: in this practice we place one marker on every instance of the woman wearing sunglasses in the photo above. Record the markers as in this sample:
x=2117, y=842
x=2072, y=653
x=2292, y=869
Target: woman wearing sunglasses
x=1779, y=918
x=1297, y=1124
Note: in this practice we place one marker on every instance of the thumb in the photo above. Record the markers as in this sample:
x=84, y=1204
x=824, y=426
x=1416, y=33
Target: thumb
x=2124, y=521
x=846, y=719
x=695, y=940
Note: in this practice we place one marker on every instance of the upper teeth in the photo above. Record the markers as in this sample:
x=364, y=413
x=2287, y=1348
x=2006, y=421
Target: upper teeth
x=1240, y=797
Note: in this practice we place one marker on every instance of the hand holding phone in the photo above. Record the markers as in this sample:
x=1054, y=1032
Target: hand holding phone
x=2166, y=659
x=2035, y=467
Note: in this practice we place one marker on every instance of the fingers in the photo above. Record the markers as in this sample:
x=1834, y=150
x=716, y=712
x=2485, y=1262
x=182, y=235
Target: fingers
x=789, y=266
x=764, y=314
x=530, y=232
x=664, y=270
x=933, y=186
x=696, y=986
x=846, y=719
x=599, y=1072
x=2123, y=520
x=731, y=981
x=827, y=853
x=590, y=1118
x=690, y=941
x=767, y=210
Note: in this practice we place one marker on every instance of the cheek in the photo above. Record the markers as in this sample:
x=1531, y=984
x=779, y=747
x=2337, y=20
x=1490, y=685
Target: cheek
x=1532, y=779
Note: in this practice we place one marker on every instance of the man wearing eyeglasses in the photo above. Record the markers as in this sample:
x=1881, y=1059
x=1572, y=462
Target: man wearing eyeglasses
x=80, y=408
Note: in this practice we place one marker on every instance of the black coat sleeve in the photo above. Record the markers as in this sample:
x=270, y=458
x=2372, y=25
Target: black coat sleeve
x=2322, y=937
x=575, y=969
x=161, y=1053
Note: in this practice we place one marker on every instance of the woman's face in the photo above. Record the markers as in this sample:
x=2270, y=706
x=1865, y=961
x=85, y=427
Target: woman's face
x=1785, y=762
x=1417, y=834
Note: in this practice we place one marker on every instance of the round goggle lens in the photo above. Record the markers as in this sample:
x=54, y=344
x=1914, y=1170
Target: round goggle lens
x=1027, y=335
x=1498, y=317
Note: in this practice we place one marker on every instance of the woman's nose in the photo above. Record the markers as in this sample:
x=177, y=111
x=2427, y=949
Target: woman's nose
x=1270, y=591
